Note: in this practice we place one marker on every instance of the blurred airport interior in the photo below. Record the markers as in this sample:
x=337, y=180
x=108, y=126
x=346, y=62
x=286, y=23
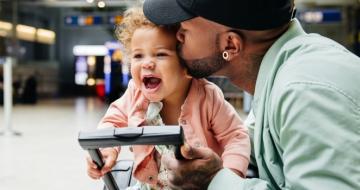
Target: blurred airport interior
x=61, y=65
x=68, y=47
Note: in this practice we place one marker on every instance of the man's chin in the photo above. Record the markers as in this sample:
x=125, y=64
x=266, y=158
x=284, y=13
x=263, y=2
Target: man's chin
x=198, y=75
x=204, y=72
x=204, y=67
x=220, y=72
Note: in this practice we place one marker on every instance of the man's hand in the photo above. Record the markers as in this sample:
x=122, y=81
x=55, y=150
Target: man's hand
x=109, y=156
x=196, y=171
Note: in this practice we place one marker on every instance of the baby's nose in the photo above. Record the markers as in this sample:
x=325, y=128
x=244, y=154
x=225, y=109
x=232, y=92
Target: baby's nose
x=148, y=64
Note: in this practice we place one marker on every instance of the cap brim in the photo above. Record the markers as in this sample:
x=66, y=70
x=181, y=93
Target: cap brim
x=165, y=12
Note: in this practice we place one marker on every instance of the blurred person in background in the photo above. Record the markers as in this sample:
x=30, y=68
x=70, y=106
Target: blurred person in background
x=1, y=87
x=29, y=95
x=2, y=60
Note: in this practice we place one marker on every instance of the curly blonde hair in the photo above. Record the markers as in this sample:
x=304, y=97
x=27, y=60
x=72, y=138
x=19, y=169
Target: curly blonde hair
x=133, y=19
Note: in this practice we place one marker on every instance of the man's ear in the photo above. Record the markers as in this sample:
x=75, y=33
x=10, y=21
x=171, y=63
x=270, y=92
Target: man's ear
x=234, y=44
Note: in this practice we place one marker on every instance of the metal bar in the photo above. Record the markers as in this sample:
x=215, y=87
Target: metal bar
x=8, y=75
x=7, y=93
x=8, y=103
x=107, y=178
x=150, y=135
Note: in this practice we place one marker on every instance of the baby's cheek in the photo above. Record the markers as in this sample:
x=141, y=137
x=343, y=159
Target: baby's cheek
x=136, y=78
x=137, y=83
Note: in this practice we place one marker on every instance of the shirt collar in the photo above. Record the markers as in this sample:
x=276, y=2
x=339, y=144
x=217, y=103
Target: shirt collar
x=268, y=61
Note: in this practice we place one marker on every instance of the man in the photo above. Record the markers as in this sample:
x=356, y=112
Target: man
x=305, y=122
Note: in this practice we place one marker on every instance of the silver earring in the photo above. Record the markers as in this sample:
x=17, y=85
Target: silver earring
x=225, y=55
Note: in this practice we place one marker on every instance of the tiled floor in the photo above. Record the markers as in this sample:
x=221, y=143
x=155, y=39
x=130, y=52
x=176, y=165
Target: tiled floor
x=47, y=155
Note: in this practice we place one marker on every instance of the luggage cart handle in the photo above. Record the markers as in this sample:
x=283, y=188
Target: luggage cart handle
x=108, y=178
x=111, y=137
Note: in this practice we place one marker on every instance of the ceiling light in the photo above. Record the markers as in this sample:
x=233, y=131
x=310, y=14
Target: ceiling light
x=5, y=26
x=101, y=4
x=86, y=50
x=45, y=36
x=25, y=32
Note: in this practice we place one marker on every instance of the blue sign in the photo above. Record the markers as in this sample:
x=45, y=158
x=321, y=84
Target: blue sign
x=71, y=20
x=321, y=16
x=82, y=20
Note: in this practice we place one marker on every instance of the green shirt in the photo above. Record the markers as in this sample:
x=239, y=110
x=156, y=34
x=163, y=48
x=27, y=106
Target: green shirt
x=307, y=117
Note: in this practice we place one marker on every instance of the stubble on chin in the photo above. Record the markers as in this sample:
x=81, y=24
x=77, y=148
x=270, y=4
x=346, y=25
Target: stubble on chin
x=200, y=68
x=203, y=67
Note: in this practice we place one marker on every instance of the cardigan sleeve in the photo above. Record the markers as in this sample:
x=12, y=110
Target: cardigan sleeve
x=229, y=131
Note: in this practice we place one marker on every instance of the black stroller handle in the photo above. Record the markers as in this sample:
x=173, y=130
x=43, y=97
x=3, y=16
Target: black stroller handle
x=112, y=137
x=108, y=178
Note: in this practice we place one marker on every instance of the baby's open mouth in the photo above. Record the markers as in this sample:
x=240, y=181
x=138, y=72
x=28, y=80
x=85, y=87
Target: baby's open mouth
x=151, y=82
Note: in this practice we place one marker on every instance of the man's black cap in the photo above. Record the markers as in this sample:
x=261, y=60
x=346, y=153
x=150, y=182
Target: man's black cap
x=240, y=14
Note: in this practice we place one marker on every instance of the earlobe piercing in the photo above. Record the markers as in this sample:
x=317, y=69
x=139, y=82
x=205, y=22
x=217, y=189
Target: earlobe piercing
x=225, y=55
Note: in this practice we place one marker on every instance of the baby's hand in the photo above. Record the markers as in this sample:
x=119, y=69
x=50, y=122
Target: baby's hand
x=109, y=156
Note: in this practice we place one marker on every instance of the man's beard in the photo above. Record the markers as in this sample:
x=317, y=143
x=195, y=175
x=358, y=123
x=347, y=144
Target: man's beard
x=204, y=67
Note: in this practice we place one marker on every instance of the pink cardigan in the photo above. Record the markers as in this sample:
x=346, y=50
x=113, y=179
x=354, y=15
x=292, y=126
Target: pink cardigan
x=207, y=120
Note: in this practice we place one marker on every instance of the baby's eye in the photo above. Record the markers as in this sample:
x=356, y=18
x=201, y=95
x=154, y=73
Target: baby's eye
x=137, y=56
x=161, y=54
